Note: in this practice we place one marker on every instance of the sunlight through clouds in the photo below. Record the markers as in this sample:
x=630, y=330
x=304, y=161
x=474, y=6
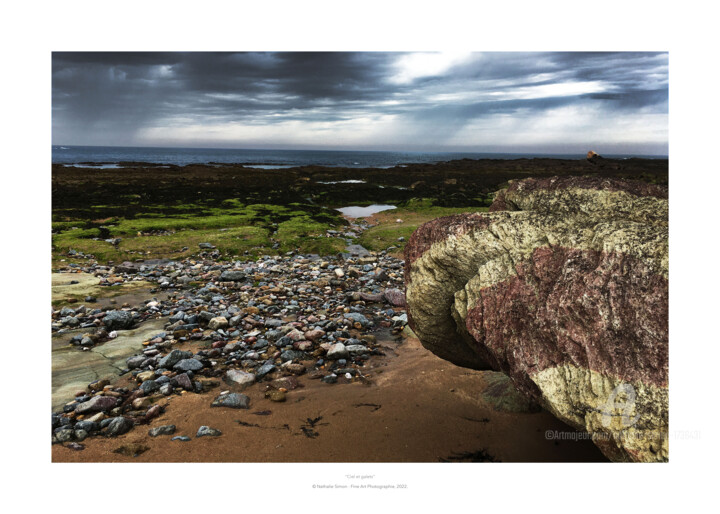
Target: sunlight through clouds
x=425, y=101
x=426, y=64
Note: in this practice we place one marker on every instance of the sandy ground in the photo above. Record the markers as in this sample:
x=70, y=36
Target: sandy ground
x=417, y=408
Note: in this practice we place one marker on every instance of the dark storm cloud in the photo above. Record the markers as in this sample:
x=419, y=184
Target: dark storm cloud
x=109, y=98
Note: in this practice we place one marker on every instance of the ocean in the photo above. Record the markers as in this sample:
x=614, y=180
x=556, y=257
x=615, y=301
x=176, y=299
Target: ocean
x=109, y=156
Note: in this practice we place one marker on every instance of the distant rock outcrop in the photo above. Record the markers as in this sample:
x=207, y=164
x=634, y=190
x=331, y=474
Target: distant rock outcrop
x=593, y=157
x=563, y=286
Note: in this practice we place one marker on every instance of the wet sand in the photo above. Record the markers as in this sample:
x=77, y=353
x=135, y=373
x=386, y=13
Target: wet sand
x=417, y=408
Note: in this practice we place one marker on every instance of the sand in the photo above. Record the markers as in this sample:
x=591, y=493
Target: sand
x=417, y=408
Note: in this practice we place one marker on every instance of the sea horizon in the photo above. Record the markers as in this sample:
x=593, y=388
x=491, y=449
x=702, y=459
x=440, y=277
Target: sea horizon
x=280, y=158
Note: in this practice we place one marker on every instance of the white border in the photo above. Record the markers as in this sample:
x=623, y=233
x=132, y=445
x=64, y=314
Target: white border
x=32, y=31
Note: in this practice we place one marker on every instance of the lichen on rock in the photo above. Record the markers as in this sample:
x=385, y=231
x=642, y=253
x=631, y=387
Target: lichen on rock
x=563, y=286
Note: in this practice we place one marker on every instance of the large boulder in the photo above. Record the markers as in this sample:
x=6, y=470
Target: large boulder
x=563, y=287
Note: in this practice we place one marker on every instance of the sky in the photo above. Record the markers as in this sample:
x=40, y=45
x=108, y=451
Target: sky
x=551, y=102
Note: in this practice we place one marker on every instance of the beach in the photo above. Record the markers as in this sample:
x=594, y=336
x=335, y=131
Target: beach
x=256, y=270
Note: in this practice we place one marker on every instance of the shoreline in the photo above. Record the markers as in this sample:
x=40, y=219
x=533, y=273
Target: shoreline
x=399, y=418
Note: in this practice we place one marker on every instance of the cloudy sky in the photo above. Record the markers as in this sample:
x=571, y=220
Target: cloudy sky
x=504, y=102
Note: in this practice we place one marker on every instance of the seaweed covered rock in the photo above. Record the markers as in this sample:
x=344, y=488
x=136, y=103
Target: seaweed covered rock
x=563, y=286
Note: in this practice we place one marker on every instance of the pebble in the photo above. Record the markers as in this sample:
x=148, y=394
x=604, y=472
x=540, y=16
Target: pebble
x=239, y=378
x=162, y=430
x=118, y=320
x=173, y=358
x=65, y=435
x=337, y=351
x=95, y=404
x=183, y=438
x=275, y=396
x=118, y=426
x=232, y=400
x=149, y=386
x=243, y=321
x=207, y=431
x=264, y=370
x=188, y=365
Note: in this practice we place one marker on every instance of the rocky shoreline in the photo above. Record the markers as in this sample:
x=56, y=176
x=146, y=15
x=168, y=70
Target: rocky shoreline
x=239, y=323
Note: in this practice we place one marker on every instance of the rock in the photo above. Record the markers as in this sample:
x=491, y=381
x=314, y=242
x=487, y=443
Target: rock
x=357, y=250
x=96, y=404
x=127, y=267
x=173, y=358
x=339, y=273
x=314, y=335
x=232, y=276
x=145, y=375
x=290, y=355
x=330, y=379
x=178, y=316
x=118, y=426
x=295, y=368
x=275, y=396
x=218, y=323
x=135, y=362
x=86, y=425
x=162, y=430
x=356, y=317
x=65, y=435
x=142, y=403
x=188, y=365
x=593, y=157
x=395, y=297
x=356, y=349
x=238, y=378
x=153, y=412
x=182, y=438
x=96, y=418
x=303, y=346
x=182, y=380
x=207, y=431
x=149, y=386
x=567, y=294
x=288, y=383
x=232, y=400
x=118, y=320
x=295, y=335
x=337, y=351
x=264, y=370
x=367, y=297
x=205, y=246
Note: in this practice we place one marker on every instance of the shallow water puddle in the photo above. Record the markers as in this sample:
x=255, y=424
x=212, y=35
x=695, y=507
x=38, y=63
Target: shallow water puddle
x=355, y=211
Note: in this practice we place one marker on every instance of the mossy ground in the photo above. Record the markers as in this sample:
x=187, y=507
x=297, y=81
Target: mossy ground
x=165, y=212
x=236, y=229
x=413, y=213
x=175, y=231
